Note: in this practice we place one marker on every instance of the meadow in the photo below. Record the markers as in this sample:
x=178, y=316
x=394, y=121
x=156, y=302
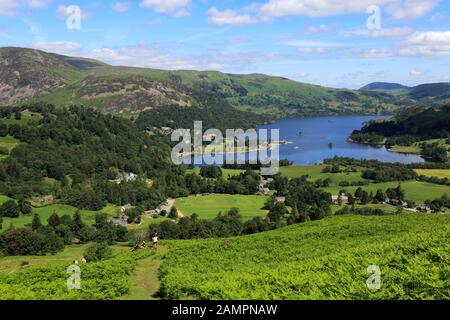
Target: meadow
x=60, y=209
x=415, y=190
x=207, y=207
x=326, y=259
x=434, y=173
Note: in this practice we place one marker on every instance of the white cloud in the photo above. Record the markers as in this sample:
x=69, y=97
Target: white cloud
x=9, y=7
x=312, y=43
x=323, y=28
x=399, y=9
x=38, y=3
x=427, y=44
x=178, y=8
x=411, y=9
x=120, y=6
x=60, y=47
x=378, y=53
x=383, y=33
x=229, y=17
x=416, y=72
x=318, y=50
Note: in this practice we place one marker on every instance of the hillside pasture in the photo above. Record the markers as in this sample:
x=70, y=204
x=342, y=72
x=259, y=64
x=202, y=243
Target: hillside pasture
x=207, y=207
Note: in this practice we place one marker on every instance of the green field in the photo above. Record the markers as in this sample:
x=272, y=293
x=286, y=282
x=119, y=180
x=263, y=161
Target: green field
x=414, y=190
x=60, y=209
x=8, y=142
x=326, y=259
x=207, y=207
x=27, y=117
x=434, y=173
x=225, y=172
x=315, y=173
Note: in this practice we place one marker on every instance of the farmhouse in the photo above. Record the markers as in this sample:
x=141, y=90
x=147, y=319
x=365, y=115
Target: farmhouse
x=43, y=200
x=125, y=177
x=122, y=221
x=263, y=189
x=280, y=199
x=341, y=199
x=125, y=208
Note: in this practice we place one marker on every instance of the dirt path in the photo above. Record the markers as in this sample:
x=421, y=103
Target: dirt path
x=168, y=206
x=145, y=282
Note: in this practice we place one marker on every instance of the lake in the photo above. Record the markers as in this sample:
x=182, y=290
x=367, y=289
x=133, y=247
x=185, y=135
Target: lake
x=313, y=145
x=318, y=132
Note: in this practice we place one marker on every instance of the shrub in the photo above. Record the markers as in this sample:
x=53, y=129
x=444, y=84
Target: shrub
x=98, y=252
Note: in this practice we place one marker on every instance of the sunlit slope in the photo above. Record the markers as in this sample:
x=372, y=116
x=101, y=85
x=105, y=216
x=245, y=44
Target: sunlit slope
x=325, y=259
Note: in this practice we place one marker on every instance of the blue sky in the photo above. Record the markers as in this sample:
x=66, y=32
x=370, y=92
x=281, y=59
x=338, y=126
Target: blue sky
x=326, y=42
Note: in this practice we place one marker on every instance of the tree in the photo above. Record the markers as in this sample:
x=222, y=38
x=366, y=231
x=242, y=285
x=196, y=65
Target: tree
x=365, y=198
x=278, y=212
x=10, y=209
x=380, y=196
x=25, y=207
x=54, y=220
x=77, y=223
x=97, y=252
x=173, y=214
x=36, y=223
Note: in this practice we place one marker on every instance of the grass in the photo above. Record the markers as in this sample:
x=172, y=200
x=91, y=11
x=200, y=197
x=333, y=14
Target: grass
x=13, y=264
x=207, y=207
x=60, y=209
x=8, y=142
x=415, y=190
x=315, y=173
x=226, y=172
x=27, y=118
x=415, y=147
x=434, y=173
x=326, y=259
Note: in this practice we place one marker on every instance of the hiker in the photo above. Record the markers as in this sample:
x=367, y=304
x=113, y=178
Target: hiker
x=143, y=245
x=155, y=240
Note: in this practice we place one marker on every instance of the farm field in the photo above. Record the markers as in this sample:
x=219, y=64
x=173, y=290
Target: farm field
x=326, y=259
x=207, y=207
x=315, y=173
x=414, y=190
x=225, y=172
x=434, y=173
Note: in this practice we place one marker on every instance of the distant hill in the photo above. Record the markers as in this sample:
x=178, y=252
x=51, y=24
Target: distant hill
x=384, y=86
x=430, y=94
x=31, y=75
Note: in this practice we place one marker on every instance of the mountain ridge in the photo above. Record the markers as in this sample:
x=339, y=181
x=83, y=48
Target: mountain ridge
x=30, y=75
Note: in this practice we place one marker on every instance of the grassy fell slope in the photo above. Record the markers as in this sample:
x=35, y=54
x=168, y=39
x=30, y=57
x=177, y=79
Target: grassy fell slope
x=326, y=259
